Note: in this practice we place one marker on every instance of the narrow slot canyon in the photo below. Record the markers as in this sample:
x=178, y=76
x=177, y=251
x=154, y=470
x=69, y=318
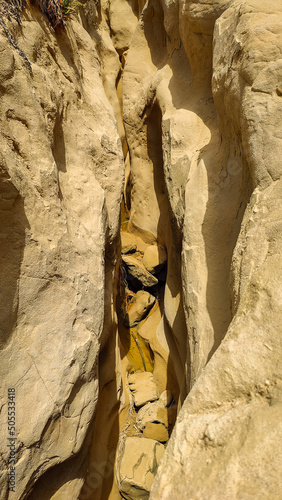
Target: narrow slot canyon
x=140, y=207
x=168, y=136
x=144, y=386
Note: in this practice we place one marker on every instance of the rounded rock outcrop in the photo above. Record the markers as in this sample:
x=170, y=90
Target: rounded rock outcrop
x=154, y=258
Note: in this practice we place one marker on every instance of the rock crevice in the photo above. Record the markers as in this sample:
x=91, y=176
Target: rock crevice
x=140, y=189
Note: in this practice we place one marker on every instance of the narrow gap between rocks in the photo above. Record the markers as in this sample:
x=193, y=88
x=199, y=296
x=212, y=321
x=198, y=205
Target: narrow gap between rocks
x=148, y=412
x=140, y=382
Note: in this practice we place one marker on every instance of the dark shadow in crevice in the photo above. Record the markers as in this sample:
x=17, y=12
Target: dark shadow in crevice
x=13, y=225
x=176, y=333
x=99, y=479
x=59, y=149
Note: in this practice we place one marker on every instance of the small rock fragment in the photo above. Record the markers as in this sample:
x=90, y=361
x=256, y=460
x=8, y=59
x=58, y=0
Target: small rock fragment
x=137, y=271
x=128, y=244
x=154, y=258
x=143, y=387
x=152, y=412
x=156, y=412
x=166, y=398
x=157, y=431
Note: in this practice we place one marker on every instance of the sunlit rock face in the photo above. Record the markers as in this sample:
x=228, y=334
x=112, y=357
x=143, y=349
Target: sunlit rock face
x=140, y=217
x=223, y=442
x=61, y=184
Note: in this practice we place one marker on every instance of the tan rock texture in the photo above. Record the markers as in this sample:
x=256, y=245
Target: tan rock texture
x=154, y=258
x=138, y=466
x=139, y=307
x=223, y=445
x=175, y=105
x=128, y=243
x=152, y=412
x=138, y=272
x=155, y=431
x=61, y=182
x=143, y=387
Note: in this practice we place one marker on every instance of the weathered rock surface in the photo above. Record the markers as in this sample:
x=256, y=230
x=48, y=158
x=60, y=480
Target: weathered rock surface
x=154, y=258
x=156, y=420
x=61, y=179
x=190, y=95
x=157, y=431
x=137, y=467
x=128, y=243
x=166, y=398
x=137, y=271
x=143, y=387
x=141, y=305
x=152, y=412
x=225, y=430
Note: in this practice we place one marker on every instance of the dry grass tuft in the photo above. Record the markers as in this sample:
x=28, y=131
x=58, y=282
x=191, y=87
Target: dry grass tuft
x=57, y=11
x=52, y=9
x=11, y=9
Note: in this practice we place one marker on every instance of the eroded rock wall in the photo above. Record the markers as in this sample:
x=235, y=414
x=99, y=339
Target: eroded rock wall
x=61, y=183
x=223, y=442
x=103, y=337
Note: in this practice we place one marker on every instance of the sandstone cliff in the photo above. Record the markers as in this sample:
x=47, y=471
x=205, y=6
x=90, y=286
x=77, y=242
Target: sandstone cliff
x=141, y=249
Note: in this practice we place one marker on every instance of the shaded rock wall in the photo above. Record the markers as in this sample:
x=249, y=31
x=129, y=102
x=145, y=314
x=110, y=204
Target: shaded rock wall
x=225, y=435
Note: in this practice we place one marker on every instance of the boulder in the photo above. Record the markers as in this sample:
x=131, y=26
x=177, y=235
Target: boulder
x=156, y=431
x=156, y=413
x=137, y=271
x=141, y=305
x=166, y=398
x=137, y=467
x=128, y=243
x=154, y=258
x=143, y=387
x=152, y=412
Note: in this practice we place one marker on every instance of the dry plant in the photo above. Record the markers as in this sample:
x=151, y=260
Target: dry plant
x=11, y=9
x=57, y=11
x=52, y=9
